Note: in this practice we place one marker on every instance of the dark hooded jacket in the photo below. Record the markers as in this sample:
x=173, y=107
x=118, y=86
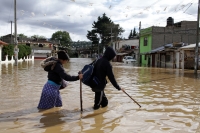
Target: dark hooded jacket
x=58, y=73
x=103, y=68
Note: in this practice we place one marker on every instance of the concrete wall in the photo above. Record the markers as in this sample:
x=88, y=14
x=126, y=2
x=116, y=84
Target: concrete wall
x=157, y=40
x=165, y=35
x=188, y=24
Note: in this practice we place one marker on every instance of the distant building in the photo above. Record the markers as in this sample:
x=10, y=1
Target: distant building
x=154, y=37
x=8, y=38
x=126, y=47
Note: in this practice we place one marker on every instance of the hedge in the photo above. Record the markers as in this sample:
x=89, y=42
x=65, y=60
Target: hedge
x=8, y=50
x=24, y=51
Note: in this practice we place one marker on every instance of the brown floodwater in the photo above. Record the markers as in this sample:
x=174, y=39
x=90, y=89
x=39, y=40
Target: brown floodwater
x=169, y=98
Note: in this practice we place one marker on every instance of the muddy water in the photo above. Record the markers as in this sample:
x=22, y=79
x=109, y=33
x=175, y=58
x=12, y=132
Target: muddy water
x=170, y=102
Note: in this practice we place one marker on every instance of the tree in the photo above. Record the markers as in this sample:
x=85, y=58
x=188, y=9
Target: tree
x=22, y=35
x=93, y=37
x=62, y=36
x=134, y=33
x=131, y=35
x=42, y=37
x=102, y=30
x=36, y=37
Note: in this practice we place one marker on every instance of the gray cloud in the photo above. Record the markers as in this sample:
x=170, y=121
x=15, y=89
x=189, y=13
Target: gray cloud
x=44, y=16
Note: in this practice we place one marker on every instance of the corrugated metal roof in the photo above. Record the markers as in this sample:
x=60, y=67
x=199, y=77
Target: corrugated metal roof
x=191, y=46
x=157, y=49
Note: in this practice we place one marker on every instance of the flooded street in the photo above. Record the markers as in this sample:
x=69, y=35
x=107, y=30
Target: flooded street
x=170, y=101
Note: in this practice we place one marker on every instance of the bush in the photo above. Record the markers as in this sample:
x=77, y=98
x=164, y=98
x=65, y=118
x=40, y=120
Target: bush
x=24, y=51
x=28, y=50
x=21, y=52
x=8, y=50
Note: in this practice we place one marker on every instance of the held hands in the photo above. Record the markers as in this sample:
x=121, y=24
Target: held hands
x=80, y=75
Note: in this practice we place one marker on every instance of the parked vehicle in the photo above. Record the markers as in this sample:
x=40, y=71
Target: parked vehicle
x=128, y=59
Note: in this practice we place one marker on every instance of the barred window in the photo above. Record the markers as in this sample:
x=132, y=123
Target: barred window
x=145, y=41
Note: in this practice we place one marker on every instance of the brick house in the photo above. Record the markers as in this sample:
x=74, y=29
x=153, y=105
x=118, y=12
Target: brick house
x=154, y=37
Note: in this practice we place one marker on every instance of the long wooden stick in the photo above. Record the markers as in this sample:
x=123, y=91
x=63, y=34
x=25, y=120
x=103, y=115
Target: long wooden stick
x=133, y=99
x=81, y=101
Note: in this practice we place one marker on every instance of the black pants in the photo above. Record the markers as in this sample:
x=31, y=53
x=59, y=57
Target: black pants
x=100, y=99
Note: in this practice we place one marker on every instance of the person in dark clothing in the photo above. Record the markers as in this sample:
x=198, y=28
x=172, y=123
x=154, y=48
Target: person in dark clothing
x=50, y=96
x=102, y=69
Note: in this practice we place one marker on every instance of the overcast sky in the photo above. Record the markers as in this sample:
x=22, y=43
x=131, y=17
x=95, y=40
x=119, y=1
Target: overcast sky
x=45, y=17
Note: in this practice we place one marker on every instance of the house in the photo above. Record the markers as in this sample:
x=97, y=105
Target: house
x=126, y=47
x=187, y=56
x=155, y=37
x=165, y=56
x=9, y=38
x=1, y=46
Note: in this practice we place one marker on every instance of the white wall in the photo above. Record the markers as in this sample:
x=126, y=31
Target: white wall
x=1, y=52
x=132, y=42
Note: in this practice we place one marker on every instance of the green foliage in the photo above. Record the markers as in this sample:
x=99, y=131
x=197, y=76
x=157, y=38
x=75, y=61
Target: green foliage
x=22, y=35
x=130, y=35
x=38, y=37
x=24, y=51
x=102, y=30
x=93, y=37
x=28, y=50
x=134, y=32
x=63, y=36
x=8, y=50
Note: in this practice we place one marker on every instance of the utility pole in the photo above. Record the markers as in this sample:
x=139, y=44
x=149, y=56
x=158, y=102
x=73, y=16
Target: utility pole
x=11, y=33
x=15, y=19
x=98, y=45
x=197, y=43
x=139, y=45
x=111, y=28
x=111, y=37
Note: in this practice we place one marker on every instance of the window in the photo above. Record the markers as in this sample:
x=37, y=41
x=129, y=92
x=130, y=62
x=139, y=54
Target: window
x=145, y=41
x=167, y=58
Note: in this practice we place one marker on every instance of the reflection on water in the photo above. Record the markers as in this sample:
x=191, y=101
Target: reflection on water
x=170, y=101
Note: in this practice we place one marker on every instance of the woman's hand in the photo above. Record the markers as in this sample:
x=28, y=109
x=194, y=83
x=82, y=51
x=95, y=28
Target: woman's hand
x=80, y=76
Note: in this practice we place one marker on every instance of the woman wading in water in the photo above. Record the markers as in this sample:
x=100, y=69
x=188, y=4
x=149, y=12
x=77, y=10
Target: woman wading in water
x=50, y=96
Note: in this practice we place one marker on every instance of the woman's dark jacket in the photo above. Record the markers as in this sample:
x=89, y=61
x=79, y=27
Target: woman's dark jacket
x=57, y=73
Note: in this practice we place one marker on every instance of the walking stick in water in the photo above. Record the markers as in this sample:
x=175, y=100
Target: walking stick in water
x=81, y=101
x=132, y=99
